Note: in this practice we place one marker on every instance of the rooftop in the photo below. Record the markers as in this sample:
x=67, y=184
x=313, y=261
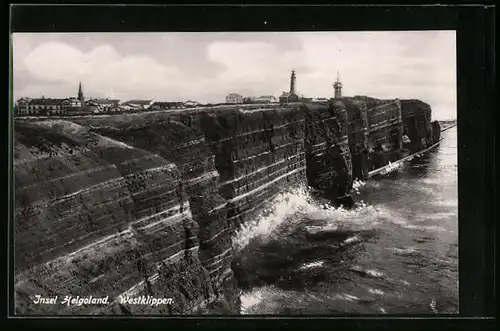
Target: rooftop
x=139, y=102
x=287, y=94
x=167, y=103
x=105, y=101
x=46, y=101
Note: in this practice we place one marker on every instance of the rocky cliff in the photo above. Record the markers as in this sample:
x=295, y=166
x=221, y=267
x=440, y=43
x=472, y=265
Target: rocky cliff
x=147, y=203
x=416, y=116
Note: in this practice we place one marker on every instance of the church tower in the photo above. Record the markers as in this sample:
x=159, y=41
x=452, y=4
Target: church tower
x=337, y=86
x=292, y=83
x=80, y=93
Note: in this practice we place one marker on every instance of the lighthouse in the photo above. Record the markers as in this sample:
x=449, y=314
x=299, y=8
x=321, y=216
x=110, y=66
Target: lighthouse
x=291, y=96
x=292, y=82
x=337, y=86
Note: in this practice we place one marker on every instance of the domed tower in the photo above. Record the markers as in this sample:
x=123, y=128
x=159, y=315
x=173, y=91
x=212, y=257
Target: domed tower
x=337, y=86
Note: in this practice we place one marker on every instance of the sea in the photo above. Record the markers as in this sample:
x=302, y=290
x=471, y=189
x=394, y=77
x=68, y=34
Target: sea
x=395, y=252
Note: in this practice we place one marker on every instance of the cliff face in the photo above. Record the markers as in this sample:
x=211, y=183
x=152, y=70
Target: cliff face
x=329, y=164
x=199, y=181
x=383, y=131
x=418, y=127
x=148, y=203
x=258, y=153
x=98, y=217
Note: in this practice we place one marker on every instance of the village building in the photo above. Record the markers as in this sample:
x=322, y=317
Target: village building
x=288, y=97
x=191, y=104
x=166, y=105
x=291, y=96
x=247, y=100
x=127, y=107
x=320, y=99
x=137, y=104
x=102, y=105
x=71, y=104
x=234, y=98
x=45, y=106
x=116, y=109
x=22, y=106
x=265, y=99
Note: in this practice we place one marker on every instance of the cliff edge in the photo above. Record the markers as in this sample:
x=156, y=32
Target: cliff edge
x=147, y=204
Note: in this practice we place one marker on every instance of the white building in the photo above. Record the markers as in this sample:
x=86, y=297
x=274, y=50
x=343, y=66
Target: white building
x=234, y=98
x=22, y=106
x=138, y=104
x=45, y=106
x=71, y=103
x=191, y=104
x=265, y=99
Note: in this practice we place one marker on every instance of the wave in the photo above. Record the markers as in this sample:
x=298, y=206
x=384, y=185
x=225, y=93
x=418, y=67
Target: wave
x=251, y=299
x=270, y=300
x=438, y=215
x=446, y=203
x=403, y=251
x=367, y=272
x=297, y=205
x=297, y=211
x=301, y=255
x=279, y=210
x=428, y=228
x=375, y=291
x=310, y=265
x=357, y=185
x=438, y=180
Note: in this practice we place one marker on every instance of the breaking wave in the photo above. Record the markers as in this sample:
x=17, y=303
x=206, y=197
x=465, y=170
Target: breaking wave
x=301, y=255
x=297, y=208
x=395, y=254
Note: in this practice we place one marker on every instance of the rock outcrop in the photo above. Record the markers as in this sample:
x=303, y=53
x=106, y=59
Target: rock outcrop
x=416, y=116
x=147, y=204
x=98, y=217
x=329, y=163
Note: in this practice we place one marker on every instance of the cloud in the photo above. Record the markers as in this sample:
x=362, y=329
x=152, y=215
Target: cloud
x=102, y=69
x=263, y=67
x=208, y=66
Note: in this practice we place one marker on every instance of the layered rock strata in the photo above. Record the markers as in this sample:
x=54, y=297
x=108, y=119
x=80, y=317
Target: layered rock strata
x=329, y=164
x=383, y=131
x=98, y=217
x=199, y=179
x=258, y=154
x=147, y=203
x=416, y=116
x=375, y=132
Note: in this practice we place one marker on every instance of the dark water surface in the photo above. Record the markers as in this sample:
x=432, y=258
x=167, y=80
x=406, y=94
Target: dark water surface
x=396, y=252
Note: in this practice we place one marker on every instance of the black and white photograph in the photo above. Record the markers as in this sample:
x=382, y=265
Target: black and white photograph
x=235, y=173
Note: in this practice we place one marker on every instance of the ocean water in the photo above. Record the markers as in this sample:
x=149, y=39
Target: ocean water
x=396, y=252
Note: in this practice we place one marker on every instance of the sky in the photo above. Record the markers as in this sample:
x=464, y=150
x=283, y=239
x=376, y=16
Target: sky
x=206, y=66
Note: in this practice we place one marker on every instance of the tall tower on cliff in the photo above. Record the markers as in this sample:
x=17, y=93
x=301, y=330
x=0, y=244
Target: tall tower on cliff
x=292, y=83
x=337, y=86
x=80, y=93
